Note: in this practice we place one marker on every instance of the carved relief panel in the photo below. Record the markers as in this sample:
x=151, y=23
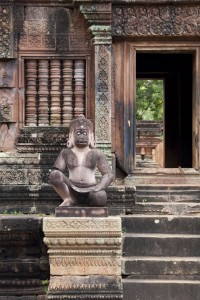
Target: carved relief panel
x=58, y=29
x=103, y=58
x=156, y=20
x=5, y=32
x=8, y=93
x=8, y=105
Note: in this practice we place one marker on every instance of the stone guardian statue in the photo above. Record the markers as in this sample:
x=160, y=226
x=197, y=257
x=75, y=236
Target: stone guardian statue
x=81, y=158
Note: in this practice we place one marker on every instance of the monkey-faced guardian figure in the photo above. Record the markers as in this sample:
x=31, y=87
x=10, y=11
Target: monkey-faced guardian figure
x=81, y=159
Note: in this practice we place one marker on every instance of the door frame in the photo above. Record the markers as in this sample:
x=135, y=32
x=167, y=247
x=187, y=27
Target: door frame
x=130, y=49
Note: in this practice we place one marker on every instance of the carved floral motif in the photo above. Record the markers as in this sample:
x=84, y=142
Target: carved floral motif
x=12, y=176
x=4, y=31
x=102, y=94
x=58, y=29
x=156, y=20
x=84, y=261
x=5, y=110
x=73, y=224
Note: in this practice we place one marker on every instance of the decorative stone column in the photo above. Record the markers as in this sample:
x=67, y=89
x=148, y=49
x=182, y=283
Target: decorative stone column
x=85, y=257
x=99, y=18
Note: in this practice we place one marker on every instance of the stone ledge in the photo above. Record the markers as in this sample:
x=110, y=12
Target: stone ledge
x=64, y=211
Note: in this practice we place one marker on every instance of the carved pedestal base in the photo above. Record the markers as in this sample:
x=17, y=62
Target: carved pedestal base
x=93, y=287
x=85, y=257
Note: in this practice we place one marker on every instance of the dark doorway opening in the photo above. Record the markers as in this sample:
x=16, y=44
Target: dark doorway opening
x=176, y=71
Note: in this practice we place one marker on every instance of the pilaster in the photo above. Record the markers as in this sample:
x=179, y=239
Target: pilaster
x=99, y=18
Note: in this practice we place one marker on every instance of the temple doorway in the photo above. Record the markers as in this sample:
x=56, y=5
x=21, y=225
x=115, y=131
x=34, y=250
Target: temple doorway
x=165, y=140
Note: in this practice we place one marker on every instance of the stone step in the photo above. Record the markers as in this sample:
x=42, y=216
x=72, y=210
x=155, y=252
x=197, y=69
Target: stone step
x=161, y=266
x=167, y=208
x=42, y=198
x=167, y=187
x=161, y=224
x=188, y=193
x=179, y=245
x=169, y=179
x=149, y=289
x=163, y=176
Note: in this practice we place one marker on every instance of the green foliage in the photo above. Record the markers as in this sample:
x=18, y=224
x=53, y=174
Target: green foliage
x=45, y=284
x=124, y=230
x=149, y=99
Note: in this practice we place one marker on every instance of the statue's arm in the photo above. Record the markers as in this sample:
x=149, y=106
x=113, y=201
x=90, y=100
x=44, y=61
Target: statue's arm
x=107, y=175
x=60, y=163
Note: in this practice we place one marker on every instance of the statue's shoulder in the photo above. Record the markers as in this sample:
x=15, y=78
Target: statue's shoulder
x=65, y=152
x=96, y=152
x=99, y=153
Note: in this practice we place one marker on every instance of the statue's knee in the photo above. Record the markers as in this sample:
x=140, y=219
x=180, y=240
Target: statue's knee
x=98, y=198
x=55, y=177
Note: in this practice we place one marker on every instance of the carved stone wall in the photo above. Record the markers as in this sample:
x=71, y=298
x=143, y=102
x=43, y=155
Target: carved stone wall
x=8, y=93
x=57, y=29
x=85, y=257
x=156, y=20
x=8, y=104
x=53, y=89
x=5, y=33
x=24, y=261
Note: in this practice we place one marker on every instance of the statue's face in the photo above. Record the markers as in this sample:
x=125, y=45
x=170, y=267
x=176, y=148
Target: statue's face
x=81, y=138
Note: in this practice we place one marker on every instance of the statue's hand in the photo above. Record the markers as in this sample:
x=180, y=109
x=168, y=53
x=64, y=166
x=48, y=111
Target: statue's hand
x=98, y=188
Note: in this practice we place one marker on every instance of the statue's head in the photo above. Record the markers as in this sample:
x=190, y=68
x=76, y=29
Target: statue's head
x=81, y=133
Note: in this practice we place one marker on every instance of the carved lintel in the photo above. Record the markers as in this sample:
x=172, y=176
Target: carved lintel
x=156, y=20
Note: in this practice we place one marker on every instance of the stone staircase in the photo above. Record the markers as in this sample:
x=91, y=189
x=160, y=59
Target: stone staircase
x=161, y=244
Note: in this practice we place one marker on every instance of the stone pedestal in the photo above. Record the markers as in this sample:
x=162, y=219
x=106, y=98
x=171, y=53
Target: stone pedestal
x=85, y=257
